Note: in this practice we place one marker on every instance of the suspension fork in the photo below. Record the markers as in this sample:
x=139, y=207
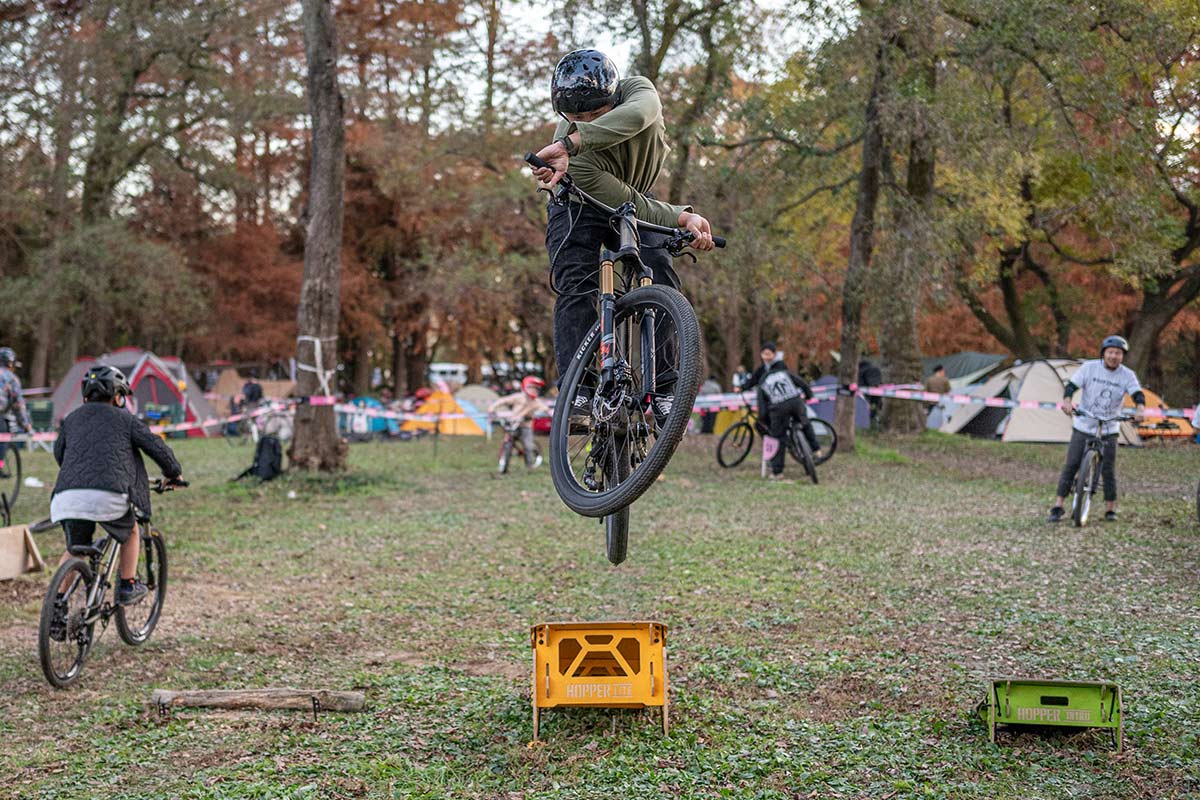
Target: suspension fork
x=607, y=311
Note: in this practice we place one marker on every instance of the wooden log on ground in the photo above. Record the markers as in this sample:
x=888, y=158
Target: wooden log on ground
x=260, y=699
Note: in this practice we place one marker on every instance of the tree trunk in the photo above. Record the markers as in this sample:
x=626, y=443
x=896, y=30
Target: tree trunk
x=399, y=367
x=1159, y=307
x=910, y=269
x=316, y=445
x=362, y=367
x=862, y=240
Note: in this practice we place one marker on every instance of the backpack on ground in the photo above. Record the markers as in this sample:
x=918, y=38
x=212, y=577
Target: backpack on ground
x=268, y=460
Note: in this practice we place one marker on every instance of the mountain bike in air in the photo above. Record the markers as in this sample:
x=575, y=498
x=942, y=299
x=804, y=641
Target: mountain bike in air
x=625, y=401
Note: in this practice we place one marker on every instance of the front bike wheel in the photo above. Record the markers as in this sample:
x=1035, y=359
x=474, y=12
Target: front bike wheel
x=1084, y=488
x=10, y=487
x=64, y=639
x=735, y=444
x=826, y=440
x=616, y=525
x=625, y=419
x=135, y=623
x=801, y=451
x=505, y=454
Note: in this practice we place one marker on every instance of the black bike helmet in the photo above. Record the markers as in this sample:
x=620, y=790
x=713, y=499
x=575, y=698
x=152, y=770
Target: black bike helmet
x=1114, y=341
x=103, y=382
x=7, y=356
x=583, y=81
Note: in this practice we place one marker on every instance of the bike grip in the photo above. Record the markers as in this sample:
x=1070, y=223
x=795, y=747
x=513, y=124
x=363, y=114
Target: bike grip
x=534, y=161
x=719, y=241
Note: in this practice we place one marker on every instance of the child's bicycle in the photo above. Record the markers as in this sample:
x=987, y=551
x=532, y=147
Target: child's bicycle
x=77, y=598
x=1087, y=479
x=626, y=399
x=512, y=444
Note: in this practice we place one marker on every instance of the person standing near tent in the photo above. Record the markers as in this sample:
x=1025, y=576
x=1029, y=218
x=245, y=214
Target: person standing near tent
x=937, y=383
x=1105, y=382
x=12, y=401
x=523, y=406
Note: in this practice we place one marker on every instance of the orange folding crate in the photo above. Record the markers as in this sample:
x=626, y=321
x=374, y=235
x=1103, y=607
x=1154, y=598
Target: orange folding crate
x=599, y=664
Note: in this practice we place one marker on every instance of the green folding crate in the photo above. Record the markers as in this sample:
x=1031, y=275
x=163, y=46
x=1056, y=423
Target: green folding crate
x=1073, y=704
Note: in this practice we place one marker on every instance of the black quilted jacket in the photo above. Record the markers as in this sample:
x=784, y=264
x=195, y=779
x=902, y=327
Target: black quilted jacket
x=100, y=446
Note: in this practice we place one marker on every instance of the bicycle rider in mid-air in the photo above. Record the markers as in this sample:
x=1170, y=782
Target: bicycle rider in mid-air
x=12, y=401
x=612, y=138
x=524, y=406
x=1105, y=381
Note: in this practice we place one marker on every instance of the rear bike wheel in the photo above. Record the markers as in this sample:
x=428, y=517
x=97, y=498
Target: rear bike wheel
x=735, y=444
x=625, y=419
x=135, y=623
x=1085, y=487
x=801, y=451
x=10, y=487
x=64, y=639
x=826, y=440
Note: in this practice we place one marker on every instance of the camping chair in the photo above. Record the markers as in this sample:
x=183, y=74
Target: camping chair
x=41, y=414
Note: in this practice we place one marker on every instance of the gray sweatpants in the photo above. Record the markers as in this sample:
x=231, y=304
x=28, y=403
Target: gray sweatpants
x=1108, y=467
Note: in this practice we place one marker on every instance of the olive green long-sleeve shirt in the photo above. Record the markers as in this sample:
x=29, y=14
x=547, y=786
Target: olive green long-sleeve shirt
x=621, y=153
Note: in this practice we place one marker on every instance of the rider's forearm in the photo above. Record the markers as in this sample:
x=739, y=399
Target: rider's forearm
x=612, y=191
x=639, y=109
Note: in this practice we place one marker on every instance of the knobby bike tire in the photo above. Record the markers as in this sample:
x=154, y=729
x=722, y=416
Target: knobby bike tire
x=827, y=438
x=616, y=525
x=805, y=452
x=135, y=623
x=1198, y=502
x=80, y=639
x=581, y=500
x=1082, y=506
x=735, y=444
x=12, y=462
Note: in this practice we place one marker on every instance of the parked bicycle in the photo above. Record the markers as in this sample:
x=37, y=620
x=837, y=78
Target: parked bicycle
x=77, y=598
x=738, y=440
x=512, y=444
x=1088, y=478
x=634, y=378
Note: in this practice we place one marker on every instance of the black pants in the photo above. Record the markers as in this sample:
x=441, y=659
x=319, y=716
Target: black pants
x=3, y=445
x=1108, y=467
x=574, y=236
x=780, y=415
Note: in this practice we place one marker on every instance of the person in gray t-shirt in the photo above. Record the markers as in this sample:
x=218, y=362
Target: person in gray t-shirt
x=1105, y=382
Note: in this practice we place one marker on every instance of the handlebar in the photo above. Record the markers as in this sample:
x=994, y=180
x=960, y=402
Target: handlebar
x=161, y=485
x=1079, y=412
x=569, y=187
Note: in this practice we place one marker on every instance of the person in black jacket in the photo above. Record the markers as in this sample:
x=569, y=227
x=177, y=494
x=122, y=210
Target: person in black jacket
x=781, y=399
x=101, y=474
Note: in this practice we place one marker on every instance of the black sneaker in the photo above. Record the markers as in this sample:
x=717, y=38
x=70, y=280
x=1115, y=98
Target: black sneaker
x=130, y=593
x=4, y=474
x=1056, y=514
x=579, y=423
x=58, y=624
x=661, y=406
x=1110, y=516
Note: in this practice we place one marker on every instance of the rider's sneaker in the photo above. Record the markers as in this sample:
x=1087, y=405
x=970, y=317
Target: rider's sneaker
x=661, y=406
x=131, y=592
x=537, y=462
x=58, y=624
x=817, y=455
x=579, y=423
x=4, y=474
x=1056, y=514
x=1110, y=516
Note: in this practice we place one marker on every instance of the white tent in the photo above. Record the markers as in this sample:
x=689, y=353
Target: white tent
x=1038, y=381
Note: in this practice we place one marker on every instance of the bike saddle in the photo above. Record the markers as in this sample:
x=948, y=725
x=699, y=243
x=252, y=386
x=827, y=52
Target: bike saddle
x=85, y=550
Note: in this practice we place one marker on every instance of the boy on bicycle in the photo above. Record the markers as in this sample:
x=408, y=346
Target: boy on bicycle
x=524, y=406
x=101, y=475
x=612, y=138
x=12, y=401
x=1105, y=382
x=781, y=400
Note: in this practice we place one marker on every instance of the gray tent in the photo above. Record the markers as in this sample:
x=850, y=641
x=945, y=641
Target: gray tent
x=965, y=368
x=1040, y=381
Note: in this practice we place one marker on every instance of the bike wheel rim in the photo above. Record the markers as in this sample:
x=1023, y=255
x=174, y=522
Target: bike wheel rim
x=141, y=617
x=65, y=658
x=629, y=430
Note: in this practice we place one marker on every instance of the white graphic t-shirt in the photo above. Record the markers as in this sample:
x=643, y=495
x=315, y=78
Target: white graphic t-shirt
x=1104, y=392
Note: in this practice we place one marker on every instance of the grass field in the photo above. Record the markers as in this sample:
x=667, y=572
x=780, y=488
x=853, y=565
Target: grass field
x=824, y=641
